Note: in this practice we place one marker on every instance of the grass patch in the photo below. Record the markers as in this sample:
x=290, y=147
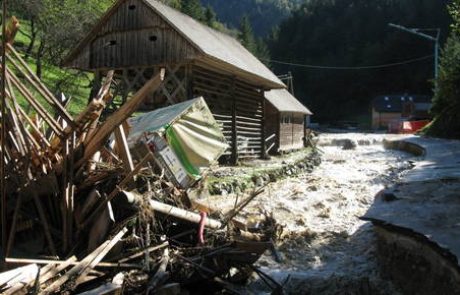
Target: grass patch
x=72, y=83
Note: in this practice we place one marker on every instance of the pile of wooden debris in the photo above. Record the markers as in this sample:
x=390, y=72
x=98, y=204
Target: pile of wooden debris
x=84, y=216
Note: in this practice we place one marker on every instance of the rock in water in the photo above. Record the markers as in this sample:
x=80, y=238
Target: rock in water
x=349, y=144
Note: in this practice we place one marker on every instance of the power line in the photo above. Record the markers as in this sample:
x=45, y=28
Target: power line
x=414, y=60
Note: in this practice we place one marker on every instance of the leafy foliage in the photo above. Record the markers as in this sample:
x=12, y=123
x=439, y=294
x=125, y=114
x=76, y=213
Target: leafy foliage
x=49, y=29
x=446, y=102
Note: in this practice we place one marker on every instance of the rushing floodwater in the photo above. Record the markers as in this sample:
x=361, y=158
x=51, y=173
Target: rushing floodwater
x=326, y=249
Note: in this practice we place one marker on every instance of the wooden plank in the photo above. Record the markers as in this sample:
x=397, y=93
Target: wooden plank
x=14, y=276
x=100, y=256
x=118, y=189
x=234, y=127
x=270, y=137
x=250, y=125
x=262, y=144
x=12, y=260
x=142, y=252
x=270, y=148
x=12, y=234
x=31, y=100
x=57, y=269
x=121, y=115
x=38, y=85
x=88, y=262
x=45, y=224
x=123, y=149
x=103, y=96
x=48, y=272
x=243, y=118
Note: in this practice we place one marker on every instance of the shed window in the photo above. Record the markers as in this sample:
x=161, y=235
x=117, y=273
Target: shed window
x=153, y=38
x=286, y=119
x=132, y=7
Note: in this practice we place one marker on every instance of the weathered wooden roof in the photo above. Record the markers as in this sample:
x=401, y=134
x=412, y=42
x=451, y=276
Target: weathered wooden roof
x=284, y=101
x=217, y=49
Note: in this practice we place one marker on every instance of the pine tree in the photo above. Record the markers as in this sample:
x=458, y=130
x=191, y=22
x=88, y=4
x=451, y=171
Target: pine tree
x=263, y=53
x=246, y=35
x=177, y=4
x=193, y=8
x=210, y=16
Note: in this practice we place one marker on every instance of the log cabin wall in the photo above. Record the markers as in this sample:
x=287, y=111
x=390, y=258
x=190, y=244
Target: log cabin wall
x=134, y=36
x=238, y=106
x=136, y=41
x=272, y=127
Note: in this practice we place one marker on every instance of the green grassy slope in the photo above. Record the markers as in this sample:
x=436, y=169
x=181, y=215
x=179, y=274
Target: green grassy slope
x=78, y=85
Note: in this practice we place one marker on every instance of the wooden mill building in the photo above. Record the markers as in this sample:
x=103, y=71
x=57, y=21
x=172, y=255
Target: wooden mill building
x=138, y=37
x=286, y=121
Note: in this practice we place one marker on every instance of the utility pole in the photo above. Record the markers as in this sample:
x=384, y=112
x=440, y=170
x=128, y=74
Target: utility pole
x=434, y=39
x=289, y=79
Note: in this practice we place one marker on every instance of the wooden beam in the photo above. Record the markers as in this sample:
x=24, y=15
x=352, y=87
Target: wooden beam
x=117, y=190
x=32, y=101
x=89, y=261
x=121, y=115
x=12, y=260
x=123, y=149
x=263, y=147
x=234, y=126
x=40, y=87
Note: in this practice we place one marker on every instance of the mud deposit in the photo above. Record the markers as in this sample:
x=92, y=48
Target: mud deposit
x=324, y=247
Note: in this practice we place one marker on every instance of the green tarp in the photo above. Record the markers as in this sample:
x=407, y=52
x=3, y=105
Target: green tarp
x=190, y=129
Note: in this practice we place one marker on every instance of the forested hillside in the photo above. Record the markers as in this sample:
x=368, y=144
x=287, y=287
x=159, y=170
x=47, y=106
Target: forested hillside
x=341, y=53
x=446, y=101
x=263, y=14
x=355, y=34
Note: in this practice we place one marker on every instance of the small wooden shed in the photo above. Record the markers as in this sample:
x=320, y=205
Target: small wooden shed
x=286, y=121
x=138, y=37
